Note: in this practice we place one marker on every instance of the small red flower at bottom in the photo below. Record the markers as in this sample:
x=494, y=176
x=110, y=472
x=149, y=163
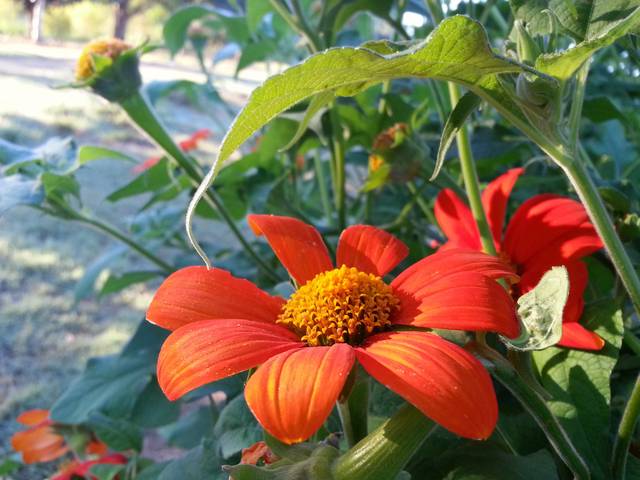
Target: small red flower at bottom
x=545, y=231
x=40, y=442
x=307, y=346
x=186, y=145
x=76, y=469
x=257, y=453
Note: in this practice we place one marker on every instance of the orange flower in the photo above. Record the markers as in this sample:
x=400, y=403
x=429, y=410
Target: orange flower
x=187, y=145
x=545, y=231
x=75, y=469
x=39, y=443
x=307, y=345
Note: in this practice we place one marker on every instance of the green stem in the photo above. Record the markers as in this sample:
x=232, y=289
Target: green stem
x=625, y=433
x=422, y=203
x=309, y=32
x=345, y=420
x=115, y=233
x=142, y=115
x=385, y=452
x=575, y=114
x=304, y=31
x=537, y=408
x=470, y=177
x=322, y=186
x=358, y=403
x=339, y=168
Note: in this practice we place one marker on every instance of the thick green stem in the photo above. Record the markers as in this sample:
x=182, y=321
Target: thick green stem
x=322, y=186
x=470, y=177
x=537, y=408
x=384, y=452
x=142, y=115
x=575, y=114
x=339, y=168
x=631, y=341
x=345, y=420
x=625, y=433
x=358, y=403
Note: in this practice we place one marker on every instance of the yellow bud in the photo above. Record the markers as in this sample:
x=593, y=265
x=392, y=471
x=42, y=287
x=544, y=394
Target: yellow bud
x=111, y=48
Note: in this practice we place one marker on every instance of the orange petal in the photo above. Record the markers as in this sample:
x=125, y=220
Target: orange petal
x=33, y=417
x=197, y=293
x=370, y=250
x=456, y=222
x=45, y=454
x=209, y=350
x=448, y=262
x=297, y=245
x=293, y=393
x=575, y=335
x=494, y=201
x=96, y=447
x=461, y=301
x=549, y=230
x=444, y=381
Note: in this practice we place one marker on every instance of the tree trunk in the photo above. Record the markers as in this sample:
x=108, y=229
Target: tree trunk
x=37, y=14
x=122, y=18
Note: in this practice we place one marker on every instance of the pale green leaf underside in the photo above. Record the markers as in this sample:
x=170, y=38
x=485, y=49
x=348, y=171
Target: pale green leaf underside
x=458, y=50
x=540, y=312
x=564, y=64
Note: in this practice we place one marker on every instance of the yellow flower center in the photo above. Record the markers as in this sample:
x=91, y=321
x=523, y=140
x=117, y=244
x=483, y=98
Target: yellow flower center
x=111, y=48
x=343, y=305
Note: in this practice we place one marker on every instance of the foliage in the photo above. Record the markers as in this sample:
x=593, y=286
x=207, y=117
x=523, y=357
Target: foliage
x=321, y=125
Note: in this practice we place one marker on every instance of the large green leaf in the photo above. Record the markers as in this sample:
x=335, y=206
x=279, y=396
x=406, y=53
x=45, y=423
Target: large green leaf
x=458, y=51
x=175, y=29
x=119, y=435
x=198, y=464
x=579, y=384
x=190, y=429
x=236, y=428
x=110, y=385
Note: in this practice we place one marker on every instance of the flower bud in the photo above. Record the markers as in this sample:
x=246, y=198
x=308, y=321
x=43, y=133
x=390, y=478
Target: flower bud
x=111, y=68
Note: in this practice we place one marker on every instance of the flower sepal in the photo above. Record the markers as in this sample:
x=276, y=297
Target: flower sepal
x=540, y=312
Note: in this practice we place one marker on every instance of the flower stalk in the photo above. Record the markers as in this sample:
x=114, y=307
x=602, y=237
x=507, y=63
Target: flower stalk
x=385, y=452
x=625, y=433
x=142, y=115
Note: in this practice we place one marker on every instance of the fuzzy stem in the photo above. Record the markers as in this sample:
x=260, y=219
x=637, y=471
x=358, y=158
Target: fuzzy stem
x=625, y=433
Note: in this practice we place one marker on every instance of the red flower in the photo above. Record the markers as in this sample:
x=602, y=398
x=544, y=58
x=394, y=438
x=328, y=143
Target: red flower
x=39, y=443
x=546, y=231
x=256, y=453
x=187, y=145
x=307, y=345
x=75, y=469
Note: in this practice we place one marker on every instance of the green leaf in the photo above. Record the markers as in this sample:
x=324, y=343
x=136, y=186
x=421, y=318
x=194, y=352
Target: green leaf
x=564, y=64
x=119, y=435
x=116, y=283
x=151, y=180
x=458, y=51
x=540, y=312
x=579, y=384
x=200, y=463
x=89, y=153
x=9, y=466
x=152, y=409
x=465, y=107
x=87, y=283
x=106, y=471
x=318, y=465
x=110, y=385
x=347, y=9
x=146, y=341
x=56, y=155
x=256, y=10
x=175, y=29
x=486, y=462
x=19, y=190
x=315, y=106
x=190, y=429
x=236, y=428
x=59, y=187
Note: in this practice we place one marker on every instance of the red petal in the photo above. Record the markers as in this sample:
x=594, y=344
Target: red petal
x=32, y=418
x=444, y=381
x=297, y=245
x=196, y=293
x=448, y=262
x=549, y=230
x=575, y=335
x=293, y=393
x=494, y=201
x=209, y=350
x=456, y=221
x=370, y=250
x=460, y=301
